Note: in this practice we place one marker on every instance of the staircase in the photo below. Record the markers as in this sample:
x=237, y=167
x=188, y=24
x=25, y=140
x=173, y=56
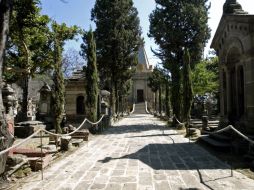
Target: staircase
x=140, y=108
x=212, y=124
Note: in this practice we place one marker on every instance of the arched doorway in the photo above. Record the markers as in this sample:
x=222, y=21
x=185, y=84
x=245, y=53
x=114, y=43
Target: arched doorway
x=233, y=60
x=80, y=105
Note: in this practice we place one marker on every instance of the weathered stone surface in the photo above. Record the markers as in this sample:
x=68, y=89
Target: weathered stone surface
x=148, y=161
x=36, y=164
x=50, y=148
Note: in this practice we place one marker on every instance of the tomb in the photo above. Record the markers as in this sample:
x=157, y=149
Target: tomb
x=234, y=44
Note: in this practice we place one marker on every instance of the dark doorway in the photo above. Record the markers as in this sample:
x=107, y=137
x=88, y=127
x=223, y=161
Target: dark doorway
x=233, y=107
x=240, y=79
x=225, y=93
x=232, y=91
x=80, y=105
x=140, y=96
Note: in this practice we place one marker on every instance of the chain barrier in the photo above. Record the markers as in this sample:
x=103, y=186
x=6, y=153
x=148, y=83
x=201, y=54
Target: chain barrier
x=20, y=143
x=50, y=133
x=235, y=130
x=133, y=109
x=174, y=116
x=146, y=108
x=226, y=129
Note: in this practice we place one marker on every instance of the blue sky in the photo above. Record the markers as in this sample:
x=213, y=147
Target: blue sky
x=78, y=13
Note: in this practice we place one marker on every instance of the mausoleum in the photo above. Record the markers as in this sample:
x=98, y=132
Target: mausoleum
x=234, y=44
x=75, y=88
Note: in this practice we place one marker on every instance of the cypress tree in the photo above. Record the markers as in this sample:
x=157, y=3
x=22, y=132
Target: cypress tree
x=60, y=34
x=117, y=38
x=92, y=90
x=187, y=87
x=176, y=25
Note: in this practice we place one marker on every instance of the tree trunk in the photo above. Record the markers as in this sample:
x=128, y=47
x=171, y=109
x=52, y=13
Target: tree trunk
x=25, y=97
x=155, y=102
x=7, y=140
x=187, y=87
x=25, y=80
x=167, y=101
x=112, y=99
x=160, y=100
x=176, y=87
x=117, y=98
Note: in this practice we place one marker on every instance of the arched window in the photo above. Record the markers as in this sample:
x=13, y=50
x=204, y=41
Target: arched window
x=80, y=105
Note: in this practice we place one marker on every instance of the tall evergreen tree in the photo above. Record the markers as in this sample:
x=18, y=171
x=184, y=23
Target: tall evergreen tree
x=92, y=90
x=187, y=87
x=60, y=33
x=176, y=25
x=117, y=39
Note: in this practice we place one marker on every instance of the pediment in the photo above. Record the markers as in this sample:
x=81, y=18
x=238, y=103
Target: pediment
x=231, y=27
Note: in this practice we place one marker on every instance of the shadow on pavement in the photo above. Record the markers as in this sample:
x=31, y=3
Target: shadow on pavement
x=180, y=156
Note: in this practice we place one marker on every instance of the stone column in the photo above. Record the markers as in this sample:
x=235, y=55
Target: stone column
x=221, y=92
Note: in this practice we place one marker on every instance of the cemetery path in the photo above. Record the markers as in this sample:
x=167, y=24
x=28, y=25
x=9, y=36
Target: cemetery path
x=139, y=153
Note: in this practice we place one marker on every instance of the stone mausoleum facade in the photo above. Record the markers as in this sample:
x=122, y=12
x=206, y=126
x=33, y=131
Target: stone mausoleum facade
x=140, y=90
x=75, y=88
x=234, y=44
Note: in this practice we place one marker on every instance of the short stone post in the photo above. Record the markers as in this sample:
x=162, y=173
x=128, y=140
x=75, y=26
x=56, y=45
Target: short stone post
x=65, y=142
x=205, y=123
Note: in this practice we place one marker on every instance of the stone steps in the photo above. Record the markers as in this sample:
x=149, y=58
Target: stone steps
x=140, y=108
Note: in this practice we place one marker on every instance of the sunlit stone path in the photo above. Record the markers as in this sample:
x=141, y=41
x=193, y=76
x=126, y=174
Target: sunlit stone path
x=139, y=153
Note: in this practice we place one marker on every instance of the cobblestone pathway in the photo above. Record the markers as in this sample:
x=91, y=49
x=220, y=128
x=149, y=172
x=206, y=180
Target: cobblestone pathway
x=137, y=154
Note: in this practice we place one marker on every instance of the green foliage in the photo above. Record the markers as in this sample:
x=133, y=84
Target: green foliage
x=60, y=33
x=29, y=46
x=117, y=39
x=187, y=87
x=176, y=25
x=205, y=76
x=92, y=78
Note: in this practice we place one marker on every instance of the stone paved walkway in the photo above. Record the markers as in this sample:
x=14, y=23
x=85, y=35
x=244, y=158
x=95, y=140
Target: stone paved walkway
x=137, y=155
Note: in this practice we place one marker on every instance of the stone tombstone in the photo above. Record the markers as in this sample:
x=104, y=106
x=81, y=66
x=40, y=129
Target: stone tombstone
x=31, y=110
x=45, y=100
